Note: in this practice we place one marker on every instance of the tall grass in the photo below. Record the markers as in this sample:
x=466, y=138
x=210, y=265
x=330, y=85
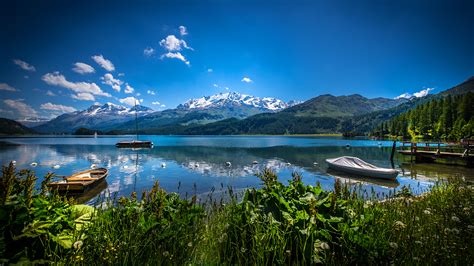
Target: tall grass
x=277, y=224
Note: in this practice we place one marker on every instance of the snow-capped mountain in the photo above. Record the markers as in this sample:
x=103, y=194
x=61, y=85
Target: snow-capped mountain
x=233, y=99
x=96, y=117
x=111, y=108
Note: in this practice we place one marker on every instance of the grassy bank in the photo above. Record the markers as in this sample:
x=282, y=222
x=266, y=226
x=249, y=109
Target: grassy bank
x=277, y=224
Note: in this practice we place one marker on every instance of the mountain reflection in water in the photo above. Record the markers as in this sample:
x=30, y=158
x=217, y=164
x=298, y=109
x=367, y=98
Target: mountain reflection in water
x=200, y=169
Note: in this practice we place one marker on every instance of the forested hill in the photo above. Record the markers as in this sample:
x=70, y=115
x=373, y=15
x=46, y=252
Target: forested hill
x=11, y=127
x=446, y=118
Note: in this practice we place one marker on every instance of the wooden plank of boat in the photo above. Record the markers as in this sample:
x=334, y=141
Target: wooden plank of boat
x=81, y=181
x=354, y=165
x=134, y=144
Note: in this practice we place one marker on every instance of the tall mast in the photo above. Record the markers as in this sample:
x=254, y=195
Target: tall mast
x=136, y=117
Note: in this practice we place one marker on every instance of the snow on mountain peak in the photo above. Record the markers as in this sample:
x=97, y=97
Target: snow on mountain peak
x=229, y=99
x=111, y=108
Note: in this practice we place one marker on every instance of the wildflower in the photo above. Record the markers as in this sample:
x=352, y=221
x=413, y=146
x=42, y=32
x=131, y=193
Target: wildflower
x=190, y=244
x=166, y=253
x=324, y=245
x=393, y=245
x=454, y=218
x=77, y=244
x=427, y=212
x=399, y=225
x=243, y=250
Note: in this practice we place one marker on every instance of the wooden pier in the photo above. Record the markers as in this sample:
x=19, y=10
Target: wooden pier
x=430, y=152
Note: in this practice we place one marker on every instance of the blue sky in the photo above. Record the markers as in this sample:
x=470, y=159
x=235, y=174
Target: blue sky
x=286, y=49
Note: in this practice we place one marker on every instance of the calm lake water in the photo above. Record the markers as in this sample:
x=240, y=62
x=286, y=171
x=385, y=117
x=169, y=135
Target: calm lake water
x=197, y=164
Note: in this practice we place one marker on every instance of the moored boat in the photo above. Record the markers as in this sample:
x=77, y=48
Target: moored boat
x=80, y=182
x=134, y=144
x=357, y=166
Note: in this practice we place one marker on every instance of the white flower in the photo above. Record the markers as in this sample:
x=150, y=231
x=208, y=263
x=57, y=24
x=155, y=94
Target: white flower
x=454, y=218
x=77, y=244
x=427, y=212
x=399, y=225
x=393, y=245
x=324, y=245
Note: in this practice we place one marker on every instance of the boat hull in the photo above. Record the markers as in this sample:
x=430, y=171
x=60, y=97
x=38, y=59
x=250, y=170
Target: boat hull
x=80, y=182
x=134, y=144
x=382, y=173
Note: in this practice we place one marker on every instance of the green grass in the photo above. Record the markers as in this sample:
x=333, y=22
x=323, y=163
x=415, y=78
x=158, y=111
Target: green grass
x=277, y=224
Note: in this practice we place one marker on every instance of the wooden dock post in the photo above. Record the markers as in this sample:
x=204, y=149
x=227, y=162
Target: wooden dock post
x=394, y=146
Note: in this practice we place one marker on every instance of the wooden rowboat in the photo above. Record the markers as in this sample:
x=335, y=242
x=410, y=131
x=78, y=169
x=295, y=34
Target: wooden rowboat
x=80, y=182
x=356, y=166
x=134, y=144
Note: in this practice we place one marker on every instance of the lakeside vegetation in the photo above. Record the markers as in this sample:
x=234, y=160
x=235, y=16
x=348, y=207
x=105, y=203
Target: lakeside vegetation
x=277, y=224
x=449, y=118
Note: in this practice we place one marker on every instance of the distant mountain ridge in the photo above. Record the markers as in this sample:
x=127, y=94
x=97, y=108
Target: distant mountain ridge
x=11, y=127
x=232, y=99
x=95, y=117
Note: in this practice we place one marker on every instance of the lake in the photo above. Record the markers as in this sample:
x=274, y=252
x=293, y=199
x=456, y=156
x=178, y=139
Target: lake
x=198, y=164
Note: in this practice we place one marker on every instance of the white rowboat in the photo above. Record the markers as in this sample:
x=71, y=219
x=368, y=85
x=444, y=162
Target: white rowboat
x=356, y=166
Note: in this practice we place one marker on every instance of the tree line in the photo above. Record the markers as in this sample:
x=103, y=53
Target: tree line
x=447, y=118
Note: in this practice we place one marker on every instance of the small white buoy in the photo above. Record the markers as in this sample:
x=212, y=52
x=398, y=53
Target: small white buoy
x=228, y=164
x=57, y=166
x=34, y=164
x=93, y=166
x=255, y=162
x=163, y=165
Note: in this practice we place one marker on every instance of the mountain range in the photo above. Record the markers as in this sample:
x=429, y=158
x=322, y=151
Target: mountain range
x=235, y=113
x=95, y=117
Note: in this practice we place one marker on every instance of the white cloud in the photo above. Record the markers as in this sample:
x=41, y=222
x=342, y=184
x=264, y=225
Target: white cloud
x=176, y=55
x=82, y=68
x=6, y=87
x=215, y=85
x=227, y=88
x=130, y=101
x=129, y=89
x=171, y=43
x=183, y=31
x=57, y=107
x=83, y=96
x=155, y=103
x=210, y=70
x=246, y=80
x=149, y=51
x=163, y=105
x=138, y=94
x=109, y=79
x=83, y=90
x=419, y=94
x=26, y=76
x=24, y=65
x=121, y=74
x=150, y=92
x=104, y=63
x=50, y=93
x=22, y=109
